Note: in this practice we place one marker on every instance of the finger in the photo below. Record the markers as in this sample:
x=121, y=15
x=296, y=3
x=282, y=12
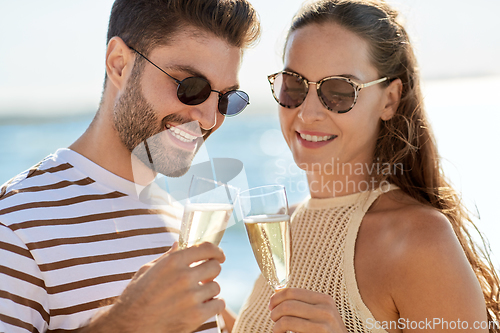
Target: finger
x=208, y=291
x=293, y=308
x=170, y=250
x=147, y=266
x=211, y=307
x=200, y=313
x=142, y=270
x=201, y=252
x=296, y=325
x=206, y=271
x=303, y=295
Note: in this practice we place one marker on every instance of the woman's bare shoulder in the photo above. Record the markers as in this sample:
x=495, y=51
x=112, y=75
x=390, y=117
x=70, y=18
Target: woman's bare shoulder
x=419, y=256
x=411, y=227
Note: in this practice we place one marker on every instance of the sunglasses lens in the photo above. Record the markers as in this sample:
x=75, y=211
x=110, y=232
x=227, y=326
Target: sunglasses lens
x=337, y=94
x=289, y=90
x=233, y=102
x=193, y=91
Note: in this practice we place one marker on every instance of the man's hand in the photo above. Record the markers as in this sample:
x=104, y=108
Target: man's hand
x=169, y=294
x=303, y=311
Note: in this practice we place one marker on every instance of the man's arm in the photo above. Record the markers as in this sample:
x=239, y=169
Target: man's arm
x=167, y=295
x=23, y=298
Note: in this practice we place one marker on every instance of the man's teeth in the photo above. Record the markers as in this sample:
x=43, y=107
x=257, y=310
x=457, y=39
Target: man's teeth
x=180, y=134
x=315, y=138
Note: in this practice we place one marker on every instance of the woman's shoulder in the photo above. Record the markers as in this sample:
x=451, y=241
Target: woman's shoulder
x=408, y=252
x=408, y=237
x=409, y=226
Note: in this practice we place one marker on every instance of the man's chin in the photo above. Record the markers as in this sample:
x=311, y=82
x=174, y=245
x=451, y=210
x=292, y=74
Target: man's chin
x=172, y=164
x=175, y=173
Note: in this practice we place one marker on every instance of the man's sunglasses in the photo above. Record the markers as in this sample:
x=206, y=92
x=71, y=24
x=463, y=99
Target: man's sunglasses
x=196, y=90
x=336, y=93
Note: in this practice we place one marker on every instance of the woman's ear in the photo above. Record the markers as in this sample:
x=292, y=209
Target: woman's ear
x=392, y=99
x=119, y=61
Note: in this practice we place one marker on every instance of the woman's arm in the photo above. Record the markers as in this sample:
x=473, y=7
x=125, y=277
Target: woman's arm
x=432, y=280
x=229, y=319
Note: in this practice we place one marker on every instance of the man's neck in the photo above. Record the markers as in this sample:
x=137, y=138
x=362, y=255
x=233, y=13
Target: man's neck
x=101, y=144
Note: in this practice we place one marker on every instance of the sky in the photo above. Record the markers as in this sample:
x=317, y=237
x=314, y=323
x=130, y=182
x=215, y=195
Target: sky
x=52, y=59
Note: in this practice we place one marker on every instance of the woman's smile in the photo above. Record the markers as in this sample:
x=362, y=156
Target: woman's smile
x=314, y=140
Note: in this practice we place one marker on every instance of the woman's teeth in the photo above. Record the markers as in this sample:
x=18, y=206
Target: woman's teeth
x=180, y=134
x=314, y=138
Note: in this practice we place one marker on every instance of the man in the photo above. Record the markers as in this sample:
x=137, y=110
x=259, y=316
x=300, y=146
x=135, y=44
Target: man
x=79, y=251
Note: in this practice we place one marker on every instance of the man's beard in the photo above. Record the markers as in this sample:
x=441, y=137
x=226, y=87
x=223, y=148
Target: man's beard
x=145, y=136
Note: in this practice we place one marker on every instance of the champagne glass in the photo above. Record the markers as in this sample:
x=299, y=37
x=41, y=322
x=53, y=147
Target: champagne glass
x=266, y=218
x=207, y=212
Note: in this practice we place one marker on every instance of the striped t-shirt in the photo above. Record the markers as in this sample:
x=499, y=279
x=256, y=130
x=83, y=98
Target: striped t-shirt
x=72, y=235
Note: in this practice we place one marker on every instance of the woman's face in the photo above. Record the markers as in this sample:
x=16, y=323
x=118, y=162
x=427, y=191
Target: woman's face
x=315, y=52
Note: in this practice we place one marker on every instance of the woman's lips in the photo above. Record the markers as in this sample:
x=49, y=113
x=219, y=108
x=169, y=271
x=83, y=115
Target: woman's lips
x=314, y=139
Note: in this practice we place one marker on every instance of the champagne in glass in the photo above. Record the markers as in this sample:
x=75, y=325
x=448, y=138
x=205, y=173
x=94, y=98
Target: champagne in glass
x=265, y=214
x=204, y=223
x=270, y=239
x=207, y=212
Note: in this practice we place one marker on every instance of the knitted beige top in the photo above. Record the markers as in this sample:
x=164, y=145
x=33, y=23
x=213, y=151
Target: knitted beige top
x=324, y=234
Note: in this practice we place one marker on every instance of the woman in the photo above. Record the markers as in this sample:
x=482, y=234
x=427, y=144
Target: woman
x=382, y=244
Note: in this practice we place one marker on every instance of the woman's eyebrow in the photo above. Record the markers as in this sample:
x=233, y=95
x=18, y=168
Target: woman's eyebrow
x=349, y=76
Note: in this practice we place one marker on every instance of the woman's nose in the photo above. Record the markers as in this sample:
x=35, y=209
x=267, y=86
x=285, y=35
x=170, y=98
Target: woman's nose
x=312, y=109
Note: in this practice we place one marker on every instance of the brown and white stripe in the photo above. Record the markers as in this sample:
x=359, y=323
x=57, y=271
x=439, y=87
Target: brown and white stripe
x=72, y=235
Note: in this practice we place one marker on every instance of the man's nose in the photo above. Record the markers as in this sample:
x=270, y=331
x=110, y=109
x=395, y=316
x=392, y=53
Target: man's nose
x=206, y=112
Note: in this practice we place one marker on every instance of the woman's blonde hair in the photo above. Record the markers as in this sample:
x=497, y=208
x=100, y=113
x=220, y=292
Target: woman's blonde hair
x=406, y=141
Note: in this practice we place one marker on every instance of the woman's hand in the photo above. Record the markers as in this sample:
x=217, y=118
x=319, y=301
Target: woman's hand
x=304, y=311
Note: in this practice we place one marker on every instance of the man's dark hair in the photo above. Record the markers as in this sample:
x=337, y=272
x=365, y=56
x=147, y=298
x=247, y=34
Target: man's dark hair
x=146, y=24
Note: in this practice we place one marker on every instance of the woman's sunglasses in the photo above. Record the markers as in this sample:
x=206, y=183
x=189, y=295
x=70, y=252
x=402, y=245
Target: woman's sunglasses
x=196, y=90
x=336, y=93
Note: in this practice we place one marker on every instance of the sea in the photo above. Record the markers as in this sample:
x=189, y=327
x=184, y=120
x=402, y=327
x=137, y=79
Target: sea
x=464, y=114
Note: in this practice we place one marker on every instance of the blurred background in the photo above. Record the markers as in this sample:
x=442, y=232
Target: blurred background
x=52, y=69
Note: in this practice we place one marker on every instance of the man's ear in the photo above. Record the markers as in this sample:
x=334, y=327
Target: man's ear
x=392, y=99
x=119, y=62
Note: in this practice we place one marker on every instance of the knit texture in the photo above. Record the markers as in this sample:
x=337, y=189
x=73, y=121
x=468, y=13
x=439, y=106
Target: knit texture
x=324, y=235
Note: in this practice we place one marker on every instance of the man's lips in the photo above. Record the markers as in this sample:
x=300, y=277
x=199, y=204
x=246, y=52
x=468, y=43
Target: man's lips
x=181, y=138
x=182, y=133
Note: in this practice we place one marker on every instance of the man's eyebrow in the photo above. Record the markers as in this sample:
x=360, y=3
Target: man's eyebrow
x=186, y=69
x=235, y=87
x=193, y=72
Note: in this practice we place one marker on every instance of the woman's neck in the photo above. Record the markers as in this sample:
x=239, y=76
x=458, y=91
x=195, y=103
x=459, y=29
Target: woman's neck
x=342, y=179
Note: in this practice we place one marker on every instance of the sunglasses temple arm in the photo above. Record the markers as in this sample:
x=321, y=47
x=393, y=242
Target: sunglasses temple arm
x=152, y=63
x=373, y=82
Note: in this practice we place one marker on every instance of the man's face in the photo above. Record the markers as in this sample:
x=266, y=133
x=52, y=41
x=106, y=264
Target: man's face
x=149, y=118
